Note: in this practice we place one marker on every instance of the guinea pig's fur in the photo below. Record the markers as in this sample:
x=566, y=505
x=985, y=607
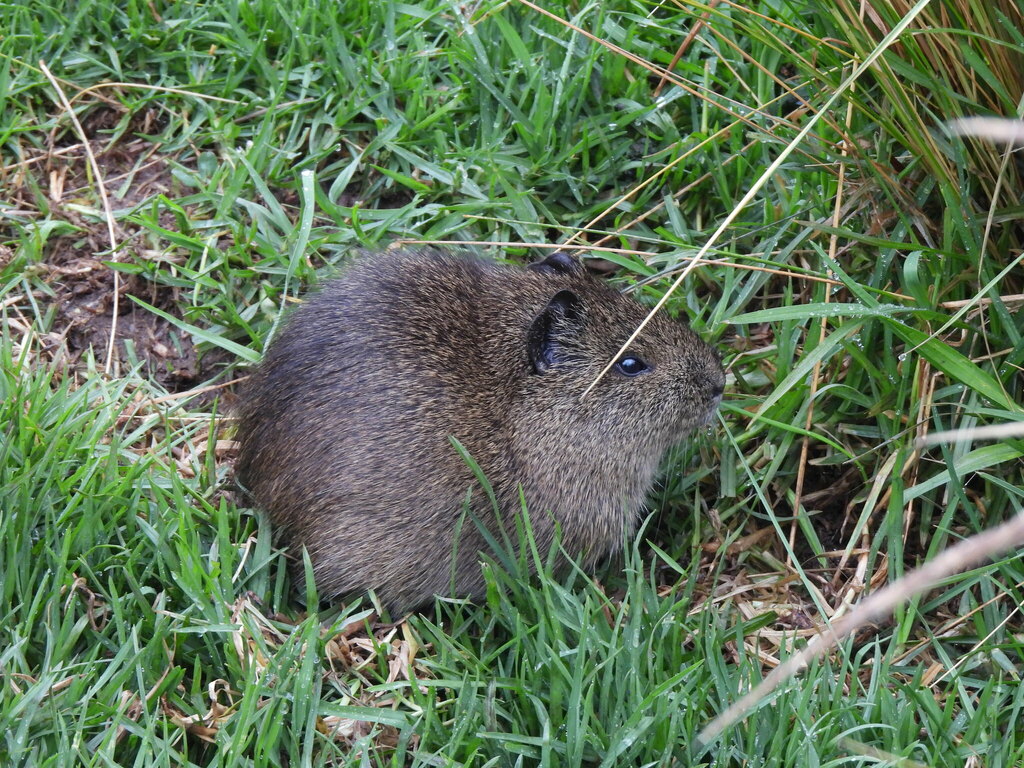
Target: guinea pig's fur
x=345, y=428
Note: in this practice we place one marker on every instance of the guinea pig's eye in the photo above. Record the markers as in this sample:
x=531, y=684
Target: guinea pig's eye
x=631, y=366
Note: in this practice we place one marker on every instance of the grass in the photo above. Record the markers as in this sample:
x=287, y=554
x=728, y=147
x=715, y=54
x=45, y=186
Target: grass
x=869, y=296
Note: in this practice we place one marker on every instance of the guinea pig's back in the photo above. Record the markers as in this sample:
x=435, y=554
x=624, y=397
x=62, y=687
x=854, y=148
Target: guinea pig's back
x=344, y=429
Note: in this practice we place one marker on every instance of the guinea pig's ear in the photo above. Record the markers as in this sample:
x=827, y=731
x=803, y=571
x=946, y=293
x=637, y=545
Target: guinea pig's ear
x=552, y=328
x=558, y=263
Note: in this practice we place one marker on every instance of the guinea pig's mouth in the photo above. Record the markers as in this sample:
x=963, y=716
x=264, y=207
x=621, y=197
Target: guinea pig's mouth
x=697, y=419
x=713, y=411
x=713, y=408
x=707, y=415
x=717, y=390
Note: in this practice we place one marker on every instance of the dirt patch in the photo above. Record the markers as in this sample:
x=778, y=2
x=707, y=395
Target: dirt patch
x=84, y=302
x=54, y=185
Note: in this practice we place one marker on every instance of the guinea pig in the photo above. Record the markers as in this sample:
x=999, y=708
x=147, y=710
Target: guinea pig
x=346, y=427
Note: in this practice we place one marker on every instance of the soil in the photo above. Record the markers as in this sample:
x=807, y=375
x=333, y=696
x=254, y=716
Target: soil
x=72, y=265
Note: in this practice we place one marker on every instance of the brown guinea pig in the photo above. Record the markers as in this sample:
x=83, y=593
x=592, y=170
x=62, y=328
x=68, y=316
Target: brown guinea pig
x=345, y=428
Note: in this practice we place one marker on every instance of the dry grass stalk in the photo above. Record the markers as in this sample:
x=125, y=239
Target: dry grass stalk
x=955, y=559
